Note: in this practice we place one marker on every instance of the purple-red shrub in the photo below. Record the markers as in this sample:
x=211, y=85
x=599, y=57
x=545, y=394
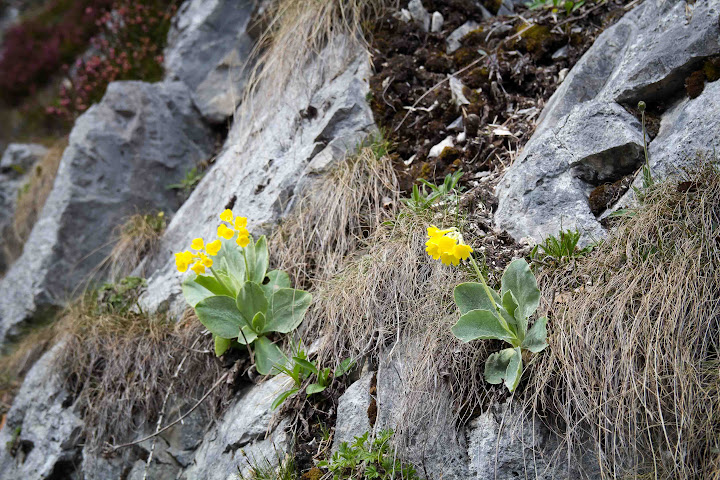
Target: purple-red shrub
x=35, y=49
x=129, y=46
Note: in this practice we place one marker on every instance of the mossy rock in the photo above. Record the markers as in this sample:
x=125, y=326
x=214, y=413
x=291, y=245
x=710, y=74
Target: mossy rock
x=711, y=69
x=474, y=38
x=449, y=155
x=537, y=40
x=477, y=77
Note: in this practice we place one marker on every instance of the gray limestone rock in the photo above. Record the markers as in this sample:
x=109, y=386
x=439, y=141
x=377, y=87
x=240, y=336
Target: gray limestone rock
x=121, y=154
x=503, y=444
x=352, y=411
x=453, y=40
x=208, y=48
x=432, y=441
x=419, y=14
x=41, y=434
x=241, y=436
x=586, y=137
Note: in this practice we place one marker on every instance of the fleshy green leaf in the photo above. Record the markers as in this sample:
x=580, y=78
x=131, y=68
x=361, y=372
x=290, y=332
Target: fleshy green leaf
x=258, y=322
x=509, y=303
x=519, y=280
x=230, y=260
x=212, y=284
x=193, y=292
x=220, y=315
x=267, y=355
x=473, y=296
x=536, y=339
x=282, y=397
x=251, y=300
x=314, y=388
x=277, y=279
x=221, y=345
x=480, y=325
x=287, y=309
x=257, y=260
x=504, y=366
x=248, y=333
x=514, y=370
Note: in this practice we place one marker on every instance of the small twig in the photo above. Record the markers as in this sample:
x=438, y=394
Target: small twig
x=182, y=417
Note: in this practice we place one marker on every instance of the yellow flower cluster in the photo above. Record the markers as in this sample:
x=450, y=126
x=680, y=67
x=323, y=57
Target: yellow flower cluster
x=238, y=224
x=446, y=245
x=199, y=260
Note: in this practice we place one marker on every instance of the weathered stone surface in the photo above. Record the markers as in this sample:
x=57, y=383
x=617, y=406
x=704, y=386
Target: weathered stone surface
x=241, y=434
x=208, y=47
x=585, y=138
x=352, y=411
x=434, y=444
x=122, y=153
x=40, y=436
x=504, y=444
x=264, y=161
x=16, y=162
x=548, y=186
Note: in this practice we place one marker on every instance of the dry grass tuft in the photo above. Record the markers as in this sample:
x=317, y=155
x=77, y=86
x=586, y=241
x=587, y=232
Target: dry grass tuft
x=633, y=358
x=135, y=239
x=294, y=31
x=392, y=292
x=33, y=196
x=122, y=363
x=337, y=213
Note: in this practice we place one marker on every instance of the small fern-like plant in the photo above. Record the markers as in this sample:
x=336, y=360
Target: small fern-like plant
x=368, y=459
x=421, y=198
x=559, y=248
x=490, y=315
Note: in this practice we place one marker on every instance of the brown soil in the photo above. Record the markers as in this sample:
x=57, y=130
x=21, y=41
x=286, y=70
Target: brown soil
x=508, y=73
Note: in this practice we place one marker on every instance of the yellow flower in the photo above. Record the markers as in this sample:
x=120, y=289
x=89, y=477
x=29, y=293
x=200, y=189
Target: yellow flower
x=462, y=251
x=446, y=245
x=198, y=268
x=183, y=260
x=243, y=240
x=197, y=244
x=213, y=248
x=433, y=231
x=225, y=232
x=240, y=223
x=438, y=245
x=226, y=216
x=205, y=260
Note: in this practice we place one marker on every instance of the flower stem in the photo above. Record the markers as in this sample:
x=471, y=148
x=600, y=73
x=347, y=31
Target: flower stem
x=481, y=277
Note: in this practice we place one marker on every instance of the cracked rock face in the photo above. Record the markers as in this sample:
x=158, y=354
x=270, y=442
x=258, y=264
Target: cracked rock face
x=208, y=46
x=242, y=435
x=586, y=138
x=41, y=433
x=121, y=153
x=264, y=163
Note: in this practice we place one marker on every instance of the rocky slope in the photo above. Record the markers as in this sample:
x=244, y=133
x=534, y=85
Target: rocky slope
x=141, y=137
